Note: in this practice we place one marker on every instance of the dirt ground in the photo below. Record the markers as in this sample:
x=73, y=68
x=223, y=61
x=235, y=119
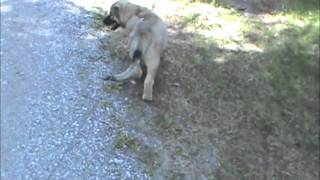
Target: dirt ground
x=236, y=97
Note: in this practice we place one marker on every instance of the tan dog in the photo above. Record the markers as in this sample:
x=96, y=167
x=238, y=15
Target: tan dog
x=147, y=35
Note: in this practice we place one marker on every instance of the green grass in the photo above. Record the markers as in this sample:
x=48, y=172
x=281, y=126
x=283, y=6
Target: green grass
x=293, y=72
x=168, y=121
x=296, y=6
x=301, y=7
x=115, y=87
x=125, y=140
x=189, y=19
x=272, y=104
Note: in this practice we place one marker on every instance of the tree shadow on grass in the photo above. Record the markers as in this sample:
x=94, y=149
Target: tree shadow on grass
x=247, y=104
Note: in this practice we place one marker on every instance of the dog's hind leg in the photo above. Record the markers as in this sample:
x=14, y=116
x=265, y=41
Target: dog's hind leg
x=152, y=61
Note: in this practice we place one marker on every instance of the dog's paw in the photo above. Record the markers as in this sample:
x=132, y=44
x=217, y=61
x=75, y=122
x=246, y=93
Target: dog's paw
x=146, y=98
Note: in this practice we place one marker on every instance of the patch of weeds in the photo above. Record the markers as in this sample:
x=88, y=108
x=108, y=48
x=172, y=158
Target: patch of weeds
x=97, y=21
x=163, y=122
x=151, y=158
x=197, y=59
x=232, y=17
x=168, y=121
x=189, y=19
x=114, y=86
x=259, y=33
x=125, y=140
x=145, y=154
x=114, y=118
x=203, y=25
x=251, y=173
x=221, y=83
x=196, y=21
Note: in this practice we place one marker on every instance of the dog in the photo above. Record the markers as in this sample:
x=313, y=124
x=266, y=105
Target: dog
x=147, y=39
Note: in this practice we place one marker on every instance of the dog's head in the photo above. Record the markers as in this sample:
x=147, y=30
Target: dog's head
x=113, y=19
x=119, y=14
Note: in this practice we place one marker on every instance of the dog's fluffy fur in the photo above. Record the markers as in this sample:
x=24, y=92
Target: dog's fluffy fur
x=147, y=35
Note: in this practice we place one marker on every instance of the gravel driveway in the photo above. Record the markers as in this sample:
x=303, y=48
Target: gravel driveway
x=56, y=119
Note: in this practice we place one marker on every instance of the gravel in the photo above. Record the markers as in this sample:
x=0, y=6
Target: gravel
x=56, y=118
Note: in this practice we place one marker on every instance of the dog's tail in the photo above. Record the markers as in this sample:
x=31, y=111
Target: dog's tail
x=137, y=55
x=134, y=70
x=137, y=68
x=130, y=72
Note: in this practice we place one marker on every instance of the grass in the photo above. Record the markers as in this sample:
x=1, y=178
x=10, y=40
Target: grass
x=297, y=6
x=301, y=7
x=168, y=121
x=149, y=156
x=257, y=103
x=293, y=74
x=125, y=140
x=195, y=21
x=115, y=87
x=266, y=101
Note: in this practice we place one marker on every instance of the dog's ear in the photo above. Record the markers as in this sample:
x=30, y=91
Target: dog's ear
x=115, y=9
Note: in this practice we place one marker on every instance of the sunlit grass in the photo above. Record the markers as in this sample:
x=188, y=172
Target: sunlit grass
x=229, y=27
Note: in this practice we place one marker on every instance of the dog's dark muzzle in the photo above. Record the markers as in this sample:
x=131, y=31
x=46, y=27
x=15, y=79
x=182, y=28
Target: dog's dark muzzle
x=109, y=21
